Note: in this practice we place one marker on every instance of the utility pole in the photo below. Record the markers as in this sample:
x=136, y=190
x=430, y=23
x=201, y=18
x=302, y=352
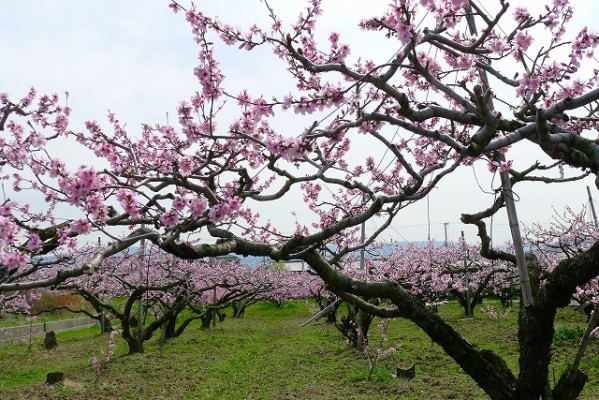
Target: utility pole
x=428, y=216
x=510, y=205
x=214, y=302
x=140, y=303
x=445, y=228
x=468, y=306
x=362, y=239
x=592, y=206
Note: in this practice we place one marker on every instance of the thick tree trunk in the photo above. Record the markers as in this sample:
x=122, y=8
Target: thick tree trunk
x=276, y=302
x=134, y=345
x=206, y=320
x=169, y=331
x=332, y=314
x=105, y=325
x=323, y=302
x=570, y=385
x=134, y=342
x=535, y=336
x=475, y=299
x=364, y=320
x=505, y=296
x=355, y=326
x=238, y=309
x=488, y=370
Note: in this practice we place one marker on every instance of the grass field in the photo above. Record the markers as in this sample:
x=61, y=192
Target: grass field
x=266, y=355
x=16, y=320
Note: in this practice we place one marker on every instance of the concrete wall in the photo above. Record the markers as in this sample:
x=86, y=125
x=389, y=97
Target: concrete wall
x=16, y=334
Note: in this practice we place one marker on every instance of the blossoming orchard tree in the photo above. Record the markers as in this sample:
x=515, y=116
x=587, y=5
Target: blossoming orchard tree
x=167, y=287
x=467, y=85
x=567, y=236
x=433, y=272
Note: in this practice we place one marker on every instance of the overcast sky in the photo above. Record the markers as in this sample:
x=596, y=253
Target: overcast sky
x=136, y=58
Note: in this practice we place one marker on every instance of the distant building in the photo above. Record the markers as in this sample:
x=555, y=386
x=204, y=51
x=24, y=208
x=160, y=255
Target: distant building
x=227, y=258
x=296, y=266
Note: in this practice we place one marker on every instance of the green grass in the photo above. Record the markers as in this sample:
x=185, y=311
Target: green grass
x=266, y=355
x=563, y=333
x=18, y=320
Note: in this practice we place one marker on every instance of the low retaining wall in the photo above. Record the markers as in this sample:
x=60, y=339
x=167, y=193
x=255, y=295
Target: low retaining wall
x=15, y=334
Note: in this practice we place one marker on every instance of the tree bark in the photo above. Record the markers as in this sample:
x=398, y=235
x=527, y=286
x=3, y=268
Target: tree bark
x=570, y=385
x=135, y=346
x=355, y=326
x=207, y=319
x=332, y=314
x=238, y=309
x=169, y=328
x=535, y=335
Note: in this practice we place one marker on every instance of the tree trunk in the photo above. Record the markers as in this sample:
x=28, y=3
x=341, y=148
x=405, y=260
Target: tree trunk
x=132, y=338
x=238, y=309
x=323, y=302
x=169, y=331
x=485, y=367
x=505, y=296
x=276, y=302
x=535, y=335
x=332, y=314
x=105, y=325
x=463, y=300
x=135, y=346
x=355, y=326
x=206, y=320
x=570, y=385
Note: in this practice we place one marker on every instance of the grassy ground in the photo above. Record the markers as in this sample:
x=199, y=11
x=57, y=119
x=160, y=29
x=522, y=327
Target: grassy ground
x=48, y=299
x=18, y=320
x=266, y=356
